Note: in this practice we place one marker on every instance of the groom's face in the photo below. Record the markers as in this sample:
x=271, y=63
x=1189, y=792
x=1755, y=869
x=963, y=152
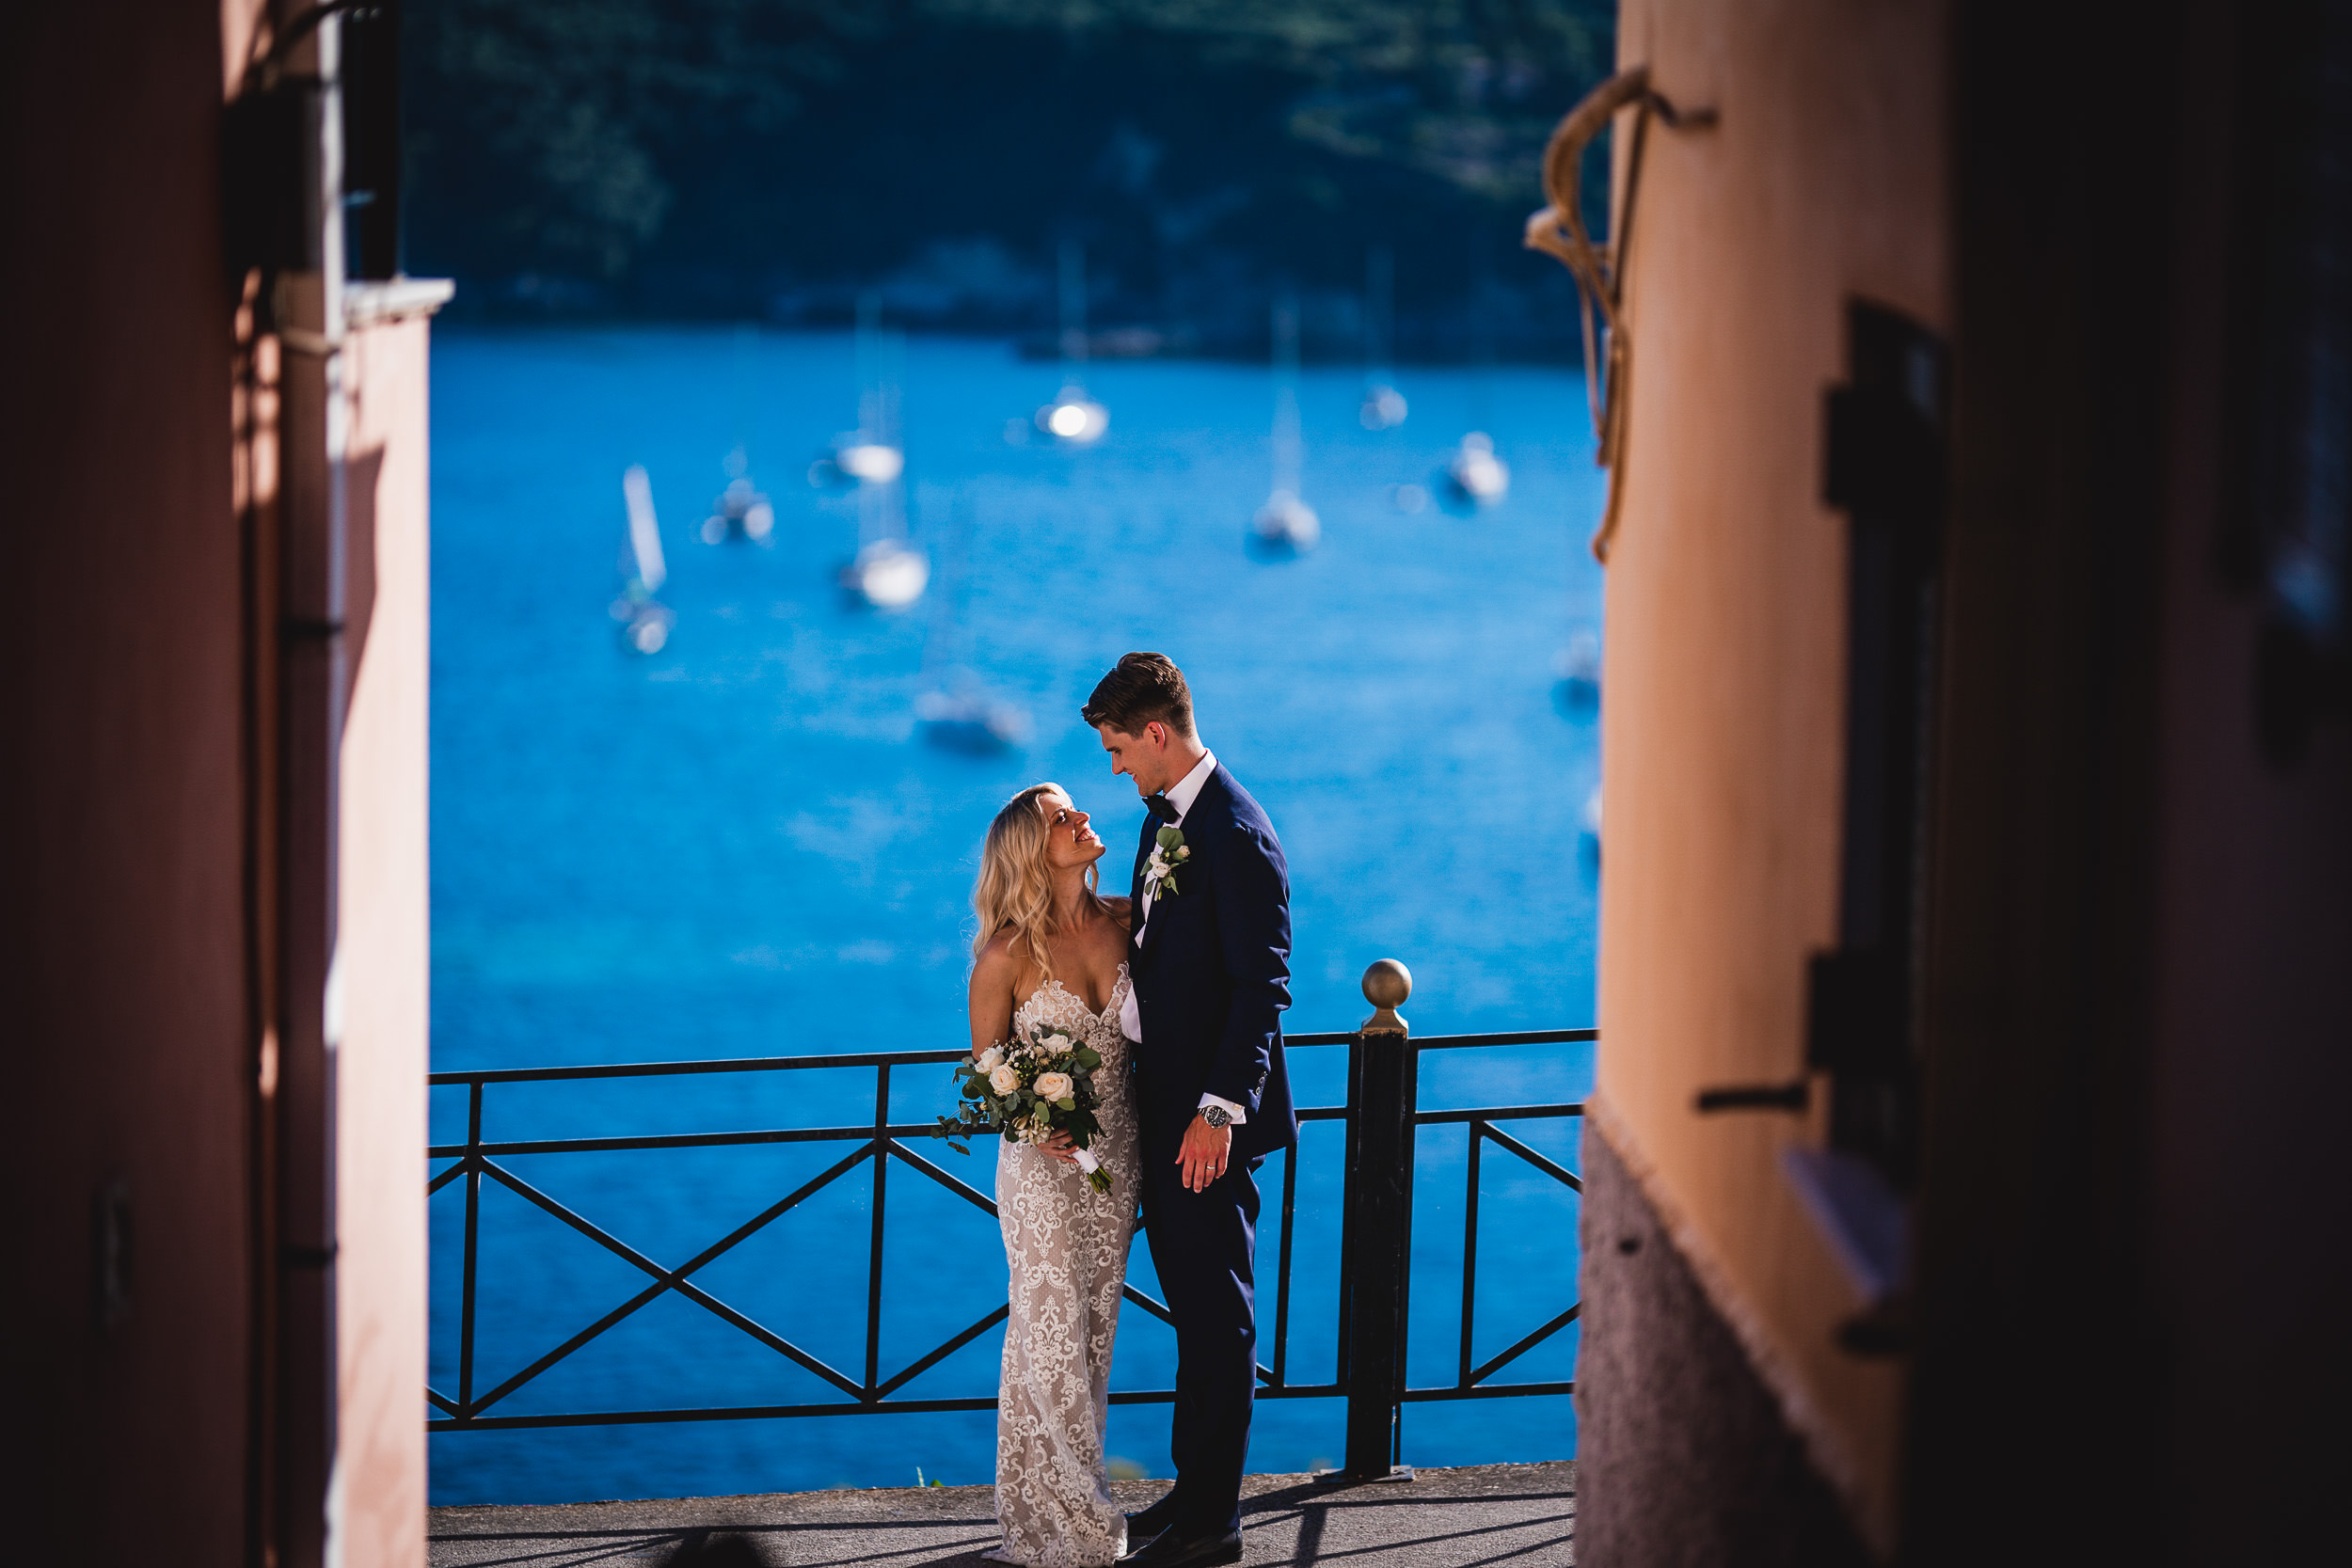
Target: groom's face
x=1145, y=758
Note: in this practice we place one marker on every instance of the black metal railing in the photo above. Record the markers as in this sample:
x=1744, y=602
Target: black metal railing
x=1381, y=1117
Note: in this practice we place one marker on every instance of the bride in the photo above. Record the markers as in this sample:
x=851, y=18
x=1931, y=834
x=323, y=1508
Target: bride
x=1051, y=950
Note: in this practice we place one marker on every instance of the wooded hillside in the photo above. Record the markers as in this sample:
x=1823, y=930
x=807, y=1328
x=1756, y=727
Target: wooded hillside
x=768, y=158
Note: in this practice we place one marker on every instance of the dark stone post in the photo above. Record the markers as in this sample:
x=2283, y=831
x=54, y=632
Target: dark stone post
x=1379, y=1222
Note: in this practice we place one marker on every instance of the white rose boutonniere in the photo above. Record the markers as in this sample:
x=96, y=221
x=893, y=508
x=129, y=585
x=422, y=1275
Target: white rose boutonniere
x=1168, y=853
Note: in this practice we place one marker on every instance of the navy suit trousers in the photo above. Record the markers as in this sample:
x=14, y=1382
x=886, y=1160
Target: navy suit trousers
x=1204, y=1249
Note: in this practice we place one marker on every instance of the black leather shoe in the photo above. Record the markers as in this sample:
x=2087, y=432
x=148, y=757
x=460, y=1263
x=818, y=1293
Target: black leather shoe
x=1171, y=1549
x=1145, y=1523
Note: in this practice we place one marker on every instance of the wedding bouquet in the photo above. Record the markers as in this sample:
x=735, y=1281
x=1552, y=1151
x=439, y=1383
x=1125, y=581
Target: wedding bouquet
x=1027, y=1091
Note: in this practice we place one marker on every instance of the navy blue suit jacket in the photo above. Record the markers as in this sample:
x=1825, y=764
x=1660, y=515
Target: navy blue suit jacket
x=1212, y=975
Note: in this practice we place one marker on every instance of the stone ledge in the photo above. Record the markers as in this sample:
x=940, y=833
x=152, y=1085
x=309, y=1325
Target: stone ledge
x=1523, y=1514
x=395, y=299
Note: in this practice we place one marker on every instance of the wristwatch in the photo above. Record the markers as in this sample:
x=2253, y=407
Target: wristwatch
x=1217, y=1116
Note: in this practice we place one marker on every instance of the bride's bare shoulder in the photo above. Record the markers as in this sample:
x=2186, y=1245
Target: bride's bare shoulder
x=995, y=963
x=1122, y=908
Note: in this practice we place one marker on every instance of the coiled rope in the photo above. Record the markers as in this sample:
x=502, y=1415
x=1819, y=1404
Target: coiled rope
x=1599, y=269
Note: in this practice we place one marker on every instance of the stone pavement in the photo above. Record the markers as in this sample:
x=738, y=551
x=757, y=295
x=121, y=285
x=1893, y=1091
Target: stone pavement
x=1522, y=1515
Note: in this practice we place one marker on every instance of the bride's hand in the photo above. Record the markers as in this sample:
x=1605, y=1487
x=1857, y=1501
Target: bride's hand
x=1059, y=1146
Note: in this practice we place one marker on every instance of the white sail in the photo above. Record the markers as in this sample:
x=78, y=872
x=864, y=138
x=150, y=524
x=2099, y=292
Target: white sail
x=644, y=535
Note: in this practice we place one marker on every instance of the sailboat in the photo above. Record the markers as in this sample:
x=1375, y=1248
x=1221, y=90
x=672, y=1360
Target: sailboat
x=1474, y=476
x=739, y=511
x=962, y=716
x=1384, y=406
x=1073, y=419
x=645, y=621
x=886, y=573
x=1577, y=670
x=1285, y=525
x=954, y=709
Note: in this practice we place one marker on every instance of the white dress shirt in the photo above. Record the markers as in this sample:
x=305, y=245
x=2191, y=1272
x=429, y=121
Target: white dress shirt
x=1181, y=795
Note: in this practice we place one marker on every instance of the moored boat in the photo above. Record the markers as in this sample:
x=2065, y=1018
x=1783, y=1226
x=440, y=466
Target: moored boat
x=645, y=621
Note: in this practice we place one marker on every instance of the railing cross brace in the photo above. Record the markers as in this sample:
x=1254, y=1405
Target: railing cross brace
x=1380, y=1120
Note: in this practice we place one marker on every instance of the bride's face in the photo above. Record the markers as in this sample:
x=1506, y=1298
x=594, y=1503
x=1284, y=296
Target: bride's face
x=1070, y=843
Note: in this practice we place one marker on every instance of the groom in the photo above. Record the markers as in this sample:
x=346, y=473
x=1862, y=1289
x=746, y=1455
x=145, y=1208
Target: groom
x=1209, y=971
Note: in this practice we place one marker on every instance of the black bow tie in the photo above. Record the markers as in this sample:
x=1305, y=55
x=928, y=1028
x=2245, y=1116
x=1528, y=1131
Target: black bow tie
x=1161, y=807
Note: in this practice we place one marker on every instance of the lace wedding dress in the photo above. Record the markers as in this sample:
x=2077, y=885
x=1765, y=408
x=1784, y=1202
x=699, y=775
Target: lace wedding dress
x=1066, y=1246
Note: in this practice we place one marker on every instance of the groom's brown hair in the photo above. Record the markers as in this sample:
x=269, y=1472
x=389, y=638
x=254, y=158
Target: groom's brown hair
x=1142, y=688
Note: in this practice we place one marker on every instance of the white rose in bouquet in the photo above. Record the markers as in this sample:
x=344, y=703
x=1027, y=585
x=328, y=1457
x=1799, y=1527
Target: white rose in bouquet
x=1054, y=1086
x=1003, y=1079
x=988, y=1060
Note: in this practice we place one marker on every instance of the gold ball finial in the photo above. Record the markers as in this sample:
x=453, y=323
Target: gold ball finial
x=1387, y=984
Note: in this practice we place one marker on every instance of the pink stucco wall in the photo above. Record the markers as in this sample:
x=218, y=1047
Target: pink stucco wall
x=1723, y=729
x=384, y=953
x=140, y=926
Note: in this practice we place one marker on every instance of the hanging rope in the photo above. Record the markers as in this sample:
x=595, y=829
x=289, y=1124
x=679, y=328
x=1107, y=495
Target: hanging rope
x=1599, y=269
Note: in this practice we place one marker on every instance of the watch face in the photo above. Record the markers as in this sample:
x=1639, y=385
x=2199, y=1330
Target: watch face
x=1217, y=1116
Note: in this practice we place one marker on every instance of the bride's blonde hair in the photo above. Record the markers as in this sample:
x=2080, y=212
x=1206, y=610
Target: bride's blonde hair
x=1015, y=890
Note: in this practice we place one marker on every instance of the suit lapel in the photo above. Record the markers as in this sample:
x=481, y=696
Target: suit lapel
x=1205, y=806
x=1143, y=852
x=1153, y=927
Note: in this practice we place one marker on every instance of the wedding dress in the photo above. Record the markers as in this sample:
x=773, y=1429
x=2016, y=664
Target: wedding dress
x=1066, y=1246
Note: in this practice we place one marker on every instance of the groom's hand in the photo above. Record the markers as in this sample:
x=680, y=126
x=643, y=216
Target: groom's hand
x=1205, y=1151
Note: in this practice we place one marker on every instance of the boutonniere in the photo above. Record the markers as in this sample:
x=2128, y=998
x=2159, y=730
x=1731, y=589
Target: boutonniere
x=1168, y=854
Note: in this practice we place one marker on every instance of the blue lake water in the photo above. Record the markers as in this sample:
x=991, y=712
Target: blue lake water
x=742, y=847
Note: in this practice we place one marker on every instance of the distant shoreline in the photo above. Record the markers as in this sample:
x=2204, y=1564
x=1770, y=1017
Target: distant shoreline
x=1032, y=347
